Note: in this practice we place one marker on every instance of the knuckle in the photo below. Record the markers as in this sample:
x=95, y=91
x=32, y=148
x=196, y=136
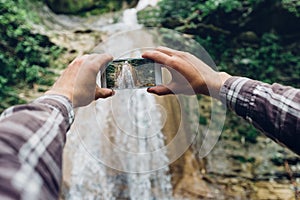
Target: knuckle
x=77, y=61
x=173, y=63
x=154, y=53
x=107, y=55
x=184, y=54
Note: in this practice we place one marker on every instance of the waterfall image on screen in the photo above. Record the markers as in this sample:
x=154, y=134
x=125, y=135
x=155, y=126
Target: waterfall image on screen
x=132, y=73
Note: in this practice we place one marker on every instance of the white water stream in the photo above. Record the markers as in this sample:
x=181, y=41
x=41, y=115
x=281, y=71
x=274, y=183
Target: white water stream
x=119, y=133
x=121, y=147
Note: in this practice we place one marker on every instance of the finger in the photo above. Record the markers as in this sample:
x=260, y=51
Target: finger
x=174, y=63
x=167, y=50
x=159, y=90
x=103, y=93
x=104, y=59
x=157, y=56
x=79, y=60
x=100, y=60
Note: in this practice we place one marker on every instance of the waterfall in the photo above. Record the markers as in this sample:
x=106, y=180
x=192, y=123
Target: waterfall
x=125, y=78
x=132, y=127
x=113, y=152
x=129, y=18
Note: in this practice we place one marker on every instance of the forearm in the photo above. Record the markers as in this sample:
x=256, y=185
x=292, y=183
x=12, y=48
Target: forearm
x=274, y=109
x=32, y=137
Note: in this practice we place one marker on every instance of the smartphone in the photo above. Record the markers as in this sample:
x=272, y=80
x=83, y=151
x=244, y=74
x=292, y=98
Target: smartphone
x=131, y=73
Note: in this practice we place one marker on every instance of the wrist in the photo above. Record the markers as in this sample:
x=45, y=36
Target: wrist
x=64, y=93
x=223, y=77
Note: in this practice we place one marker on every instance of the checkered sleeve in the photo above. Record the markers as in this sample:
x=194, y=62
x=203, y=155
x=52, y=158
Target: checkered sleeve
x=274, y=109
x=32, y=137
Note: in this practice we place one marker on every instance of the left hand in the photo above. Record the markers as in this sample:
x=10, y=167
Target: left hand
x=78, y=81
x=190, y=75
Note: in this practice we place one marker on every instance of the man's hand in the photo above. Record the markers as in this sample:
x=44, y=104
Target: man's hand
x=189, y=74
x=78, y=81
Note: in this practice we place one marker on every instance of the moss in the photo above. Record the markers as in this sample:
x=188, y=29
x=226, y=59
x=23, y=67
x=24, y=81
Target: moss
x=69, y=6
x=243, y=159
x=87, y=7
x=149, y=17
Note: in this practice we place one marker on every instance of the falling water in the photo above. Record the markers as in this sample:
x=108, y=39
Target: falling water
x=144, y=123
x=125, y=79
x=131, y=121
x=132, y=127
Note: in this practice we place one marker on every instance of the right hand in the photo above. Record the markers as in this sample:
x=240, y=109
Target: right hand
x=78, y=81
x=187, y=72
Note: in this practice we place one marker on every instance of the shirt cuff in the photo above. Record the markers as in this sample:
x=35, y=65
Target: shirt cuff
x=237, y=94
x=60, y=102
x=229, y=91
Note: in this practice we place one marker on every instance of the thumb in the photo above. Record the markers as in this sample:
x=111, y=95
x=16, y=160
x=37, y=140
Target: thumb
x=159, y=90
x=103, y=93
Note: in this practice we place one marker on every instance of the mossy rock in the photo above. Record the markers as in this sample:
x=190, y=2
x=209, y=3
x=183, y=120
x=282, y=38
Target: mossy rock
x=79, y=6
x=70, y=6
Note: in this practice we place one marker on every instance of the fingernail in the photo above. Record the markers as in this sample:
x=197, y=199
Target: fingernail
x=112, y=92
x=149, y=90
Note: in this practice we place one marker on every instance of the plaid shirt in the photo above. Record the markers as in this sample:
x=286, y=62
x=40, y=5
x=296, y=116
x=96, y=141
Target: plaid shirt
x=32, y=136
x=274, y=109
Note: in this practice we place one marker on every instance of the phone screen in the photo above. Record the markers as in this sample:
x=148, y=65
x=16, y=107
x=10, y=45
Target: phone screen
x=131, y=73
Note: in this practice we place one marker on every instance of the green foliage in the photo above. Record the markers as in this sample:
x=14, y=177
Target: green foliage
x=69, y=6
x=218, y=26
x=292, y=6
x=216, y=46
x=268, y=62
x=24, y=55
x=191, y=12
x=239, y=130
x=203, y=120
x=101, y=7
x=278, y=159
x=243, y=159
x=247, y=132
x=149, y=17
x=208, y=7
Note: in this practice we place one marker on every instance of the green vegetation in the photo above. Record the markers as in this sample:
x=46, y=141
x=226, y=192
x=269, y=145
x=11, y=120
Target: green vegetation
x=267, y=60
x=69, y=6
x=253, y=38
x=243, y=159
x=292, y=6
x=24, y=56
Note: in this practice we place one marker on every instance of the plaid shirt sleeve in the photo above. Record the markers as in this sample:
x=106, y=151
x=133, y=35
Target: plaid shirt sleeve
x=32, y=138
x=274, y=109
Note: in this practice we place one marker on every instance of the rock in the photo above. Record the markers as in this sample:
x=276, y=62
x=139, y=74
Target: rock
x=248, y=37
x=76, y=6
x=70, y=6
x=191, y=184
x=272, y=190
